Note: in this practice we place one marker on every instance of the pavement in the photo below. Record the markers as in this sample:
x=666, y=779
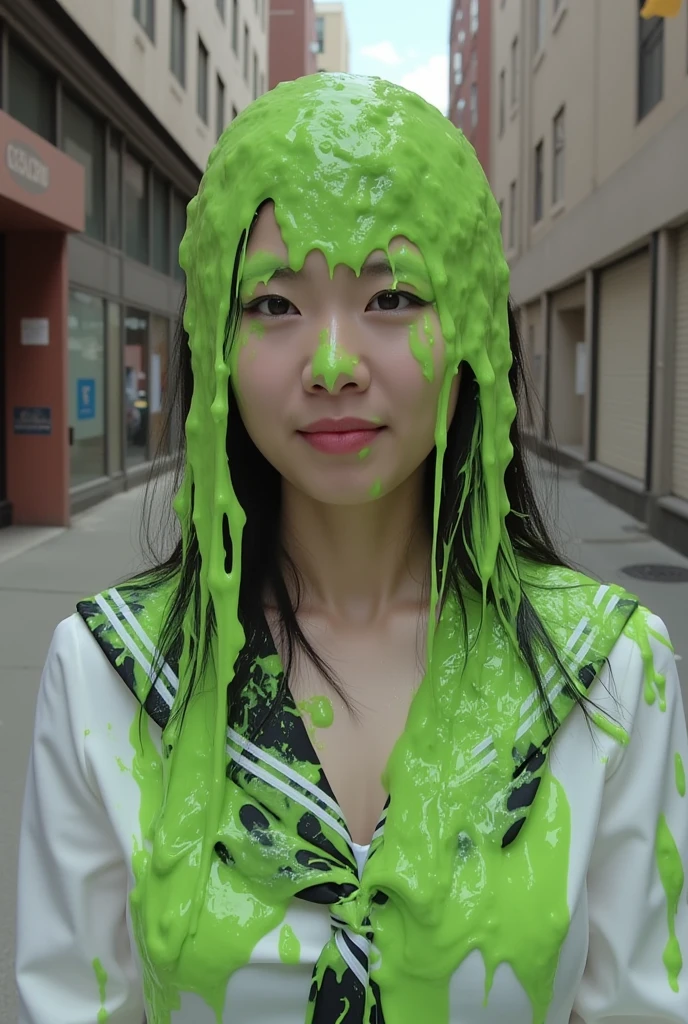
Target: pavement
x=43, y=572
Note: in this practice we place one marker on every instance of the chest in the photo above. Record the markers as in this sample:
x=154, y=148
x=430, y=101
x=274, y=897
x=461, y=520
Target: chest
x=353, y=731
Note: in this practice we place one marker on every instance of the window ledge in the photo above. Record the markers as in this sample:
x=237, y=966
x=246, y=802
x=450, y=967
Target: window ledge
x=513, y=113
x=202, y=131
x=558, y=208
x=538, y=59
x=174, y=89
x=559, y=16
x=140, y=41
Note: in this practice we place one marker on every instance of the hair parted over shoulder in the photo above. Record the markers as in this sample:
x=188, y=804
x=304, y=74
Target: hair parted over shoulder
x=350, y=163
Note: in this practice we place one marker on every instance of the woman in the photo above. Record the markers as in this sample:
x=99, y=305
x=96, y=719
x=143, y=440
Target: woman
x=392, y=760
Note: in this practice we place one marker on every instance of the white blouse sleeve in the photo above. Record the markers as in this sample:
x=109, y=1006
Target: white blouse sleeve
x=72, y=888
x=625, y=977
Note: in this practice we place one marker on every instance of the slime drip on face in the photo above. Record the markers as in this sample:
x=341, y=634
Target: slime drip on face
x=351, y=164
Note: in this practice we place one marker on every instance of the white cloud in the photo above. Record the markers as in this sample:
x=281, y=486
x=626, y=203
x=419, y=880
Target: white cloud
x=384, y=52
x=431, y=81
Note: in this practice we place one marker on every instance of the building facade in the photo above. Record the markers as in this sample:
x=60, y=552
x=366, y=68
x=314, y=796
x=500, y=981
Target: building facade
x=470, y=75
x=293, y=44
x=590, y=165
x=108, y=113
x=332, y=36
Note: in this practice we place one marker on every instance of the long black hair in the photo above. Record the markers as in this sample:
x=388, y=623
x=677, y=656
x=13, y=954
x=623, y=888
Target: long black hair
x=266, y=566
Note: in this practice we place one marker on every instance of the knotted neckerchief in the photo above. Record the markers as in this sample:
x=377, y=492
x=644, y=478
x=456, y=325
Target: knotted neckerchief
x=282, y=826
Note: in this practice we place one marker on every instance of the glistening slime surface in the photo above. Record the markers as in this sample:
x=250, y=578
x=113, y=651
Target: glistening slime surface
x=351, y=164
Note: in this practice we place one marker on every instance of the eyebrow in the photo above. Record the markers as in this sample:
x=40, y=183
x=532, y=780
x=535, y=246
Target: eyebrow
x=407, y=267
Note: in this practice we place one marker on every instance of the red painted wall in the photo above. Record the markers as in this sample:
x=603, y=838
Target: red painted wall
x=477, y=59
x=292, y=30
x=36, y=285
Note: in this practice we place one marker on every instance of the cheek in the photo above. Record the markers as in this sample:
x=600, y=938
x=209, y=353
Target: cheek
x=258, y=381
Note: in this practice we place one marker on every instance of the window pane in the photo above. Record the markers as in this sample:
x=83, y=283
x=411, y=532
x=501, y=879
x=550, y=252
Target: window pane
x=31, y=98
x=144, y=12
x=514, y=72
x=320, y=33
x=161, y=226
x=178, y=229
x=235, y=26
x=650, y=64
x=136, y=208
x=246, y=49
x=83, y=138
x=202, y=83
x=220, y=4
x=220, y=108
x=114, y=191
x=178, y=41
x=136, y=386
x=159, y=345
x=537, y=206
x=86, y=322
x=255, y=75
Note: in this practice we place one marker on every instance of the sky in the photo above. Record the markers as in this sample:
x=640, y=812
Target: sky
x=405, y=41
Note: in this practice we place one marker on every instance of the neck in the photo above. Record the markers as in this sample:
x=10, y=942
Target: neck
x=358, y=562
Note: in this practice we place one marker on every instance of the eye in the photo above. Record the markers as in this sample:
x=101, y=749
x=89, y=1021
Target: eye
x=394, y=302
x=271, y=306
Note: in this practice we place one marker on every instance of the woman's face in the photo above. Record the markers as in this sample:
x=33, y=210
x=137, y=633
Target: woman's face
x=338, y=380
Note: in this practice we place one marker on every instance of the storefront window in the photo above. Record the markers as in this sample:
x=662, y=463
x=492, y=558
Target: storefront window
x=161, y=226
x=160, y=341
x=136, y=208
x=114, y=190
x=31, y=94
x=136, y=396
x=83, y=138
x=86, y=387
x=178, y=229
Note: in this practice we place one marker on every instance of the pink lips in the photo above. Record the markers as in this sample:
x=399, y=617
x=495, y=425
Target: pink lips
x=340, y=437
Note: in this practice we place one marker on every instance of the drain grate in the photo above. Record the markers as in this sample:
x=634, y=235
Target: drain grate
x=658, y=573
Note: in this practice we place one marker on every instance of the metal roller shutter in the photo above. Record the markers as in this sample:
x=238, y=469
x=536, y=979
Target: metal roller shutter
x=679, y=475
x=623, y=366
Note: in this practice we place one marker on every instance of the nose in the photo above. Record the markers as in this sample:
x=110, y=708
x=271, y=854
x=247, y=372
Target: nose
x=333, y=369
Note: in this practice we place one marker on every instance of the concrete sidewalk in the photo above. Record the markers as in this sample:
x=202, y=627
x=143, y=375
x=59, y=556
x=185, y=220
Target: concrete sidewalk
x=44, y=572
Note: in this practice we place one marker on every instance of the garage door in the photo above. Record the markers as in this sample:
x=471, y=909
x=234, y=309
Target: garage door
x=680, y=447
x=623, y=366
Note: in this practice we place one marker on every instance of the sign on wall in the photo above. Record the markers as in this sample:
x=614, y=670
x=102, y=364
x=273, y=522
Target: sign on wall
x=34, y=330
x=86, y=398
x=33, y=419
x=26, y=167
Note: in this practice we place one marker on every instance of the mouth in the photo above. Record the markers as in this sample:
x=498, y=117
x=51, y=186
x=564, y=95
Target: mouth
x=341, y=437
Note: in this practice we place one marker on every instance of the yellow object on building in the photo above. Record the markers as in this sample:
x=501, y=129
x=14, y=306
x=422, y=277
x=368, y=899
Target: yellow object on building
x=660, y=8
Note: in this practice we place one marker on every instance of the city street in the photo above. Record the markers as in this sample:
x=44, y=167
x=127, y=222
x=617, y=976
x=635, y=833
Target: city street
x=43, y=572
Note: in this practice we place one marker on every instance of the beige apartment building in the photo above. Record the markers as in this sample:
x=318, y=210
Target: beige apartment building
x=589, y=162
x=332, y=37
x=108, y=112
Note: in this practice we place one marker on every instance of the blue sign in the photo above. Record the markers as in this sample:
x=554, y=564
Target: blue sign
x=86, y=399
x=32, y=419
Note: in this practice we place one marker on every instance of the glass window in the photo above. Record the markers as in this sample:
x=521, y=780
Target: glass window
x=262, y=83
x=650, y=64
x=246, y=49
x=135, y=208
x=114, y=387
x=219, y=107
x=458, y=67
x=320, y=33
x=202, y=82
x=114, y=190
x=220, y=4
x=178, y=42
x=538, y=25
x=31, y=94
x=83, y=138
x=475, y=16
x=538, y=181
x=86, y=326
x=159, y=352
x=502, y=101
x=235, y=26
x=136, y=411
x=161, y=225
x=144, y=12
x=255, y=75
x=235, y=112
x=512, y=215
x=514, y=72
x=178, y=229
x=558, y=157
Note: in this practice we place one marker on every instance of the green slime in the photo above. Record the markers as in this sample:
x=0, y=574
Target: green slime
x=101, y=978
x=671, y=874
x=289, y=945
x=346, y=162
x=320, y=711
x=680, y=773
